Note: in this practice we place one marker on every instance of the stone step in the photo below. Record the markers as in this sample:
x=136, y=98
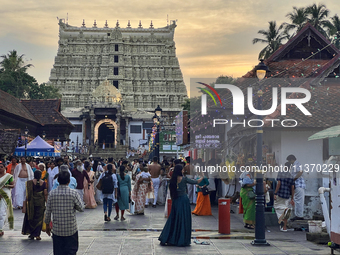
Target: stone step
x=298, y=224
x=318, y=238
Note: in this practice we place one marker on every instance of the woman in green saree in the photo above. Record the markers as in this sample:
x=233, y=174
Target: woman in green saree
x=6, y=209
x=248, y=201
x=34, y=206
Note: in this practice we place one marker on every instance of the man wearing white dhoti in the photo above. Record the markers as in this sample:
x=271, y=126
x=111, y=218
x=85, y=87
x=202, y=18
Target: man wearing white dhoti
x=22, y=173
x=50, y=178
x=155, y=171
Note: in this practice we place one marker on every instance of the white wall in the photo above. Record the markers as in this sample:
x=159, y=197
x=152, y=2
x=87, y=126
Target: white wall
x=73, y=135
x=307, y=153
x=284, y=143
x=273, y=140
x=134, y=138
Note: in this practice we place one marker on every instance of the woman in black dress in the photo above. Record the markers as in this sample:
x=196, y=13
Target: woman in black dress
x=177, y=230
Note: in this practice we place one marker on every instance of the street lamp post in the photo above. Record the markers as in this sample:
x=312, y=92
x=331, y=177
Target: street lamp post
x=156, y=119
x=260, y=234
x=155, y=148
x=26, y=133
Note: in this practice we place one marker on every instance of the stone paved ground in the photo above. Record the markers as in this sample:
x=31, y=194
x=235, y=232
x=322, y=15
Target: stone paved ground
x=138, y=235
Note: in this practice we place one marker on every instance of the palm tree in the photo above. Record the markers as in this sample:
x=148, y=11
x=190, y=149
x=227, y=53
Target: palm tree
x=13, y=76
x=334, y=29
x=13, y=63
x=298, y=18
x=317, y=16
x=273, y=38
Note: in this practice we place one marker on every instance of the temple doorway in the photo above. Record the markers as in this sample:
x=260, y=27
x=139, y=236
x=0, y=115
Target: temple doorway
x=105, y=132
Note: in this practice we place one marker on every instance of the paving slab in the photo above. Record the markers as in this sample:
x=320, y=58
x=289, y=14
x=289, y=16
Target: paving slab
x=139, y=235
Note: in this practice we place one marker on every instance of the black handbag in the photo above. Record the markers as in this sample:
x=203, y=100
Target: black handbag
x=205, y=191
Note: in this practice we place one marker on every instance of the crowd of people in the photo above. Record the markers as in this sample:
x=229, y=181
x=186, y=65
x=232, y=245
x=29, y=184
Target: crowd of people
x=33, y=187
x=289, y=191
x=27, y=185
x=50, y=192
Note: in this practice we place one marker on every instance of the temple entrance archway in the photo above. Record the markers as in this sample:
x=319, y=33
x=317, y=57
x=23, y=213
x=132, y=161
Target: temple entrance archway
x=106, y=130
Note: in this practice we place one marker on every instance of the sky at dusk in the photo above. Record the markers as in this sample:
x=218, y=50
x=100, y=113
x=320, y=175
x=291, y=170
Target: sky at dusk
x=212, y=37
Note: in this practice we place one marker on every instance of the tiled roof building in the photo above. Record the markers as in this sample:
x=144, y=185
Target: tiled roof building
x=308, y=60
x=37, y=115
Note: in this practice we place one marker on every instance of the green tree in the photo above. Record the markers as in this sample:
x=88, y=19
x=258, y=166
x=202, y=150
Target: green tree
x=334, y=29
x=191, y=104
x=43, y=91
x=13, y=76
x=16, y=81
x=14, y=63
x=317, y=16
x=274, y=37
x=225, y=80
x=298, y=18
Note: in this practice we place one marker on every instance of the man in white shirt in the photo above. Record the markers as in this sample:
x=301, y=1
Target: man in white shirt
x=54, y=172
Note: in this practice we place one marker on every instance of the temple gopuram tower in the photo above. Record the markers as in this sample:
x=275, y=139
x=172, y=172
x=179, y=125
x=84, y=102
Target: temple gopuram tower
x=112, y=79
x=140, y=62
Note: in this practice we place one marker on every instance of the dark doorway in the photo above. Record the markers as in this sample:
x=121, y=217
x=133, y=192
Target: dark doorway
x=105, y=134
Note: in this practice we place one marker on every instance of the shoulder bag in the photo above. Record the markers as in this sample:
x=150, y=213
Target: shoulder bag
x=205, y=191
x=99, y=185
x=251, y=194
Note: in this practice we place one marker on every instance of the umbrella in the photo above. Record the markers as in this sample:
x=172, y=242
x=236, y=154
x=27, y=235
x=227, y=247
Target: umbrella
x=326, y=133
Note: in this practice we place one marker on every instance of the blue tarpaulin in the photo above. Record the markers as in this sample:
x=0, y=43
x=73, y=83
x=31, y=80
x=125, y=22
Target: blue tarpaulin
x=37, y=147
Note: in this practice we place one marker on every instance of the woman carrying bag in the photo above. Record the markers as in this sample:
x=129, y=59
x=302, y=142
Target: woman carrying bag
x=203, y=206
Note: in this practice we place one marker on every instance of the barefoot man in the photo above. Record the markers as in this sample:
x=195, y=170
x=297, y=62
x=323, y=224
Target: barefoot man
x=22, y=173
x=155, y=171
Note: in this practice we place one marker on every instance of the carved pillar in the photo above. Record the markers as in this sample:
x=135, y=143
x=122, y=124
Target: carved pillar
x=117, y=138
x=92, y=116
x=84, y=130
x=127, y=131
